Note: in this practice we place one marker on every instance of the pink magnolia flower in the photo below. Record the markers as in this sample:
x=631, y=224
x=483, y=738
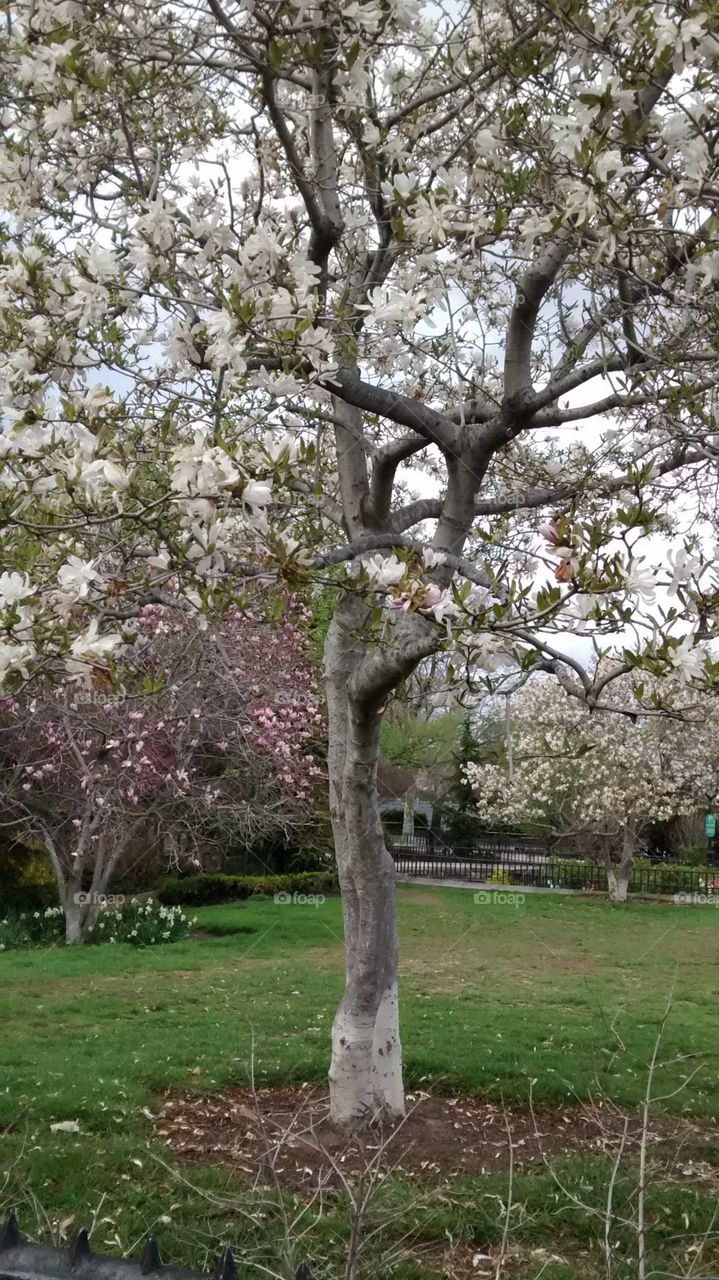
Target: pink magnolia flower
x=549, y=532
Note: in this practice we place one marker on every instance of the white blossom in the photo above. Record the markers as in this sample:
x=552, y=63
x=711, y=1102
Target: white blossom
x=201, y=468
x=257, y=493
x=76, y=576
x=384, y=572
x=15, y=657
x=14, y=587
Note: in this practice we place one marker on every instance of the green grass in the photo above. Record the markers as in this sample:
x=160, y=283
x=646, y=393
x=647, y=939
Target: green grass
x=563, y=995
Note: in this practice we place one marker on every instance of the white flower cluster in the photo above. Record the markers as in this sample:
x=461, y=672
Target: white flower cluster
x=409, y=592
x=573, y=767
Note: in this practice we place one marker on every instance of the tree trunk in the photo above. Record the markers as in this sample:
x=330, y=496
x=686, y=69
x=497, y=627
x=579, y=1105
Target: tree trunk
x=366, y=1068
x=80, y=909
x=617, y=886
x=619, y=875
x=73, y=923
x=81, y=912
x=408, y=813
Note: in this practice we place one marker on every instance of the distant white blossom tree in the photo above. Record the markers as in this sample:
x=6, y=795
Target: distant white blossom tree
x=604, y=774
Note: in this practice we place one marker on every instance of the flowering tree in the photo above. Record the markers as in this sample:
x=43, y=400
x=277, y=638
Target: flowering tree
x=606, y=774
x=263, y=259
x=201, y=736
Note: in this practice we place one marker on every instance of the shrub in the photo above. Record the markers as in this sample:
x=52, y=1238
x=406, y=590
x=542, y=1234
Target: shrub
x=27, y=881
x=204, y=889
x=500, y=876
x=279, y=857
x=668, y=877
x=695, y=855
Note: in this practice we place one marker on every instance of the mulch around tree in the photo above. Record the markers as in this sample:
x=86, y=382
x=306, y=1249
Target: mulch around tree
x=283, y=1135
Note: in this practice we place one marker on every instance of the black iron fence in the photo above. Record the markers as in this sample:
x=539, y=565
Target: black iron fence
x=551, y=872
x=20, y=1260
x=488, y=844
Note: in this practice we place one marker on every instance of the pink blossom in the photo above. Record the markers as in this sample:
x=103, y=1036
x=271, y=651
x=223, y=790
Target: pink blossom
x=549, y=532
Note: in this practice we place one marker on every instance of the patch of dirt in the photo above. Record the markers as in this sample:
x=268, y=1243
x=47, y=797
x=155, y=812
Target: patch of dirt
x=463, y=1261
x=285, y=1134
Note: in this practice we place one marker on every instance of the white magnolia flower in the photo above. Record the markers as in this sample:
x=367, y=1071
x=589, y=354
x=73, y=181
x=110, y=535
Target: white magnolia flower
x=102, y=263
x=89, y=649
x=58, y=119
x=88, y=302
x=582, y=605
x=159, y=561
x=384, y=572
x=294, y=549
x=402, y=184
x=276, y=447
x=157, y=225
x=93, y=402
x=257, y=493
x=13, y=588
x=445, y=607
x=609, y=164
x=688, y=659
x=641, y=579
x=15, y=657
x=103, y=474
x=394, y=304
x=683, y=567
x=76, y=576
x=432, y=559
x=201, y=468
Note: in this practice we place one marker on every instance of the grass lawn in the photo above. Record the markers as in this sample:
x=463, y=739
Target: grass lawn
x=565, y=994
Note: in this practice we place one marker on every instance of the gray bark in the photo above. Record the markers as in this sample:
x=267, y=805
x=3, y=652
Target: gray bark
x=619, y=874
x=365, y=1072
x=81, y=911
x=408, y=812
x=366, y=1066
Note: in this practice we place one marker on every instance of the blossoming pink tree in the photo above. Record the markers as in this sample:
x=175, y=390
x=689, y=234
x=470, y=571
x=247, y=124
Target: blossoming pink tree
x=264, y=260
x=649, y=753
x=201, y=737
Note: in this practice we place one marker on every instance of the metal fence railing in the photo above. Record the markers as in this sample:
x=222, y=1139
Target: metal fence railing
x=489, y=844
x=22, y=1260
x=549, y=872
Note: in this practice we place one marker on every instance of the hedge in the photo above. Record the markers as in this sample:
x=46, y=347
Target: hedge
x=27, y=882
x=203, y=889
